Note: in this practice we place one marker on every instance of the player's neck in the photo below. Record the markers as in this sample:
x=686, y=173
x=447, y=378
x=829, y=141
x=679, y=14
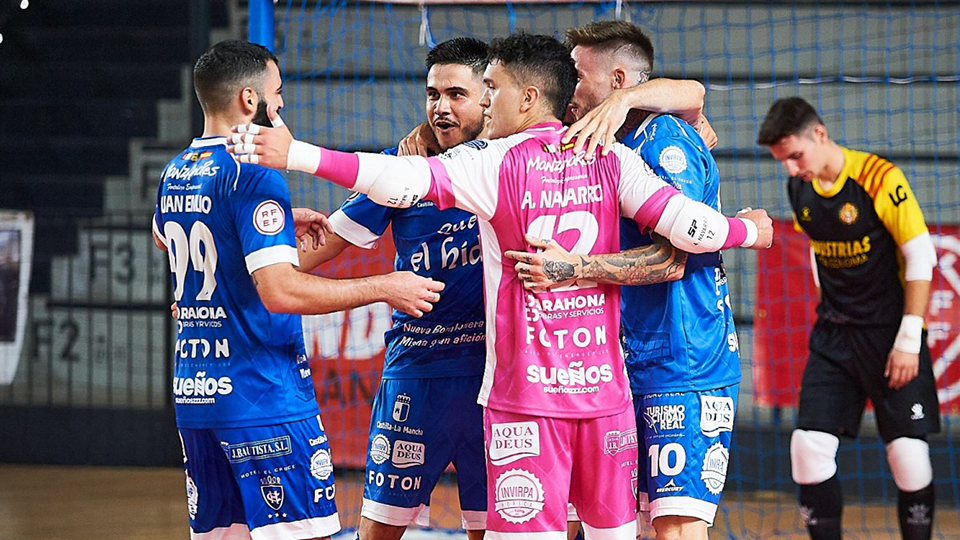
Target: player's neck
x=219, y=126
x=537, y=119
x=831, y=172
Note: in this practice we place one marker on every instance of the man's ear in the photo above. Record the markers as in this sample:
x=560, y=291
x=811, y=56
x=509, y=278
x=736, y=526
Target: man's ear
x=249, y=100
x=529, y=99
x=619, y=78
x=820, y=133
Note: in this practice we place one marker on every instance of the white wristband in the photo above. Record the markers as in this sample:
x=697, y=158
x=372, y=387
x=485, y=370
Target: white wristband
x=910, y=334
x=303, y=157
x=752, y=233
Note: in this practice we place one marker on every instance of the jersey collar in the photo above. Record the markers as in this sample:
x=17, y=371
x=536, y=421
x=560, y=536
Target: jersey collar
x=204, y=142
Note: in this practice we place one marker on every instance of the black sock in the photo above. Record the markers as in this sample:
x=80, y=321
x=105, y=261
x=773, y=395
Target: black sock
x=821, y=506
x=915, y=510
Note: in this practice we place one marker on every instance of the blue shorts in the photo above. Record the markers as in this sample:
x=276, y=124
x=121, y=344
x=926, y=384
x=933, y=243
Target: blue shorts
x=268, y=482
x=684, y=450
x=418, y=427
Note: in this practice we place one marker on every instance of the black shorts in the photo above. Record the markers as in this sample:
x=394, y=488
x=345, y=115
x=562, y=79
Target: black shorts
x=846, y=367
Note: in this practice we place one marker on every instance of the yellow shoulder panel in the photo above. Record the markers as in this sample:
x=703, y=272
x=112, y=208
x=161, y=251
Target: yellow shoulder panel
x=894, y=202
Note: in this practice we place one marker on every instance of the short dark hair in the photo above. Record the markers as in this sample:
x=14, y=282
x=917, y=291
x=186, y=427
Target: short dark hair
x=540, y=61
x=612, y=37
x=462, y=51
x=228, y=67
x=786, y=117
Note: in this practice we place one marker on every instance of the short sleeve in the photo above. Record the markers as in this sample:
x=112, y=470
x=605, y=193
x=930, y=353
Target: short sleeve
x=467, y=176
x=361, y=221
x=898, y=208
x=264, y=219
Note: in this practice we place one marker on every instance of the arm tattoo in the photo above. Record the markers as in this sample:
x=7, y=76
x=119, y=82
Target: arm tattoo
x=639, y=266
x=558, y=271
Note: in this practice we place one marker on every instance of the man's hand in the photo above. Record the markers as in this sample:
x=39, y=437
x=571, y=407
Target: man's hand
x=707, y=133
x=600, y=125
x=764, y=227
x=412, y=294
x=550, y=267
x=419, y=142
x=253, y=143
x=902, y=367
x=313, y=224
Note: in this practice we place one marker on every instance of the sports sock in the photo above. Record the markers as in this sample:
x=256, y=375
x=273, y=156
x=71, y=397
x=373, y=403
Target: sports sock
x=821, y=506
x=915, y=510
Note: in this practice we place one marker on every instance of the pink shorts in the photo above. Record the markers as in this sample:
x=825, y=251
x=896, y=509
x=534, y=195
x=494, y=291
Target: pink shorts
x=535, y=465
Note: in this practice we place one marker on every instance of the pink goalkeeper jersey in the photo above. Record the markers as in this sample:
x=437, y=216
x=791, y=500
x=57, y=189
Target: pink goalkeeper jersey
x=554, y=354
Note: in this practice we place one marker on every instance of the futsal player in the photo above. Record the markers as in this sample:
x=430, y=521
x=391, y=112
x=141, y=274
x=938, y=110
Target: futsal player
x=874, y=263
x=557, y=416
x=256, y=457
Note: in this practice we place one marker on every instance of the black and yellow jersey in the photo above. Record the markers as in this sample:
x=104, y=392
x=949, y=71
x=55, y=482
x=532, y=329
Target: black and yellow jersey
x=855, y=229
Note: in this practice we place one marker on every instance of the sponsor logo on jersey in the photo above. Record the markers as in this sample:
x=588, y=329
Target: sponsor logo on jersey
x=200, y=390
x=272, y=490
x=204, y=313
x=574, y=375
x=193, y=498
x=849, y=213
x=401, y=408
x=716, y=415
x=519, y=496
x=673, y=160
x=664, y=417
x=669, y=487
x=617, y=441
x=321, y=466
x=196, y=156
x=805, y=214
x=379, y=449
x=537, y=163
x=265, y=449
x=185, y=172
x=269, y=218
x=478, y=144
x=512, y=441
x=714, y=472
x=407, y=454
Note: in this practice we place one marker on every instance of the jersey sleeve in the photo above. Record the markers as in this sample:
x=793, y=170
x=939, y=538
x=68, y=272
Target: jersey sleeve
x=361, y=221
x=898, y=209
x=467, y=175
x=643, y=195
x=676, y=159
x=264, y=219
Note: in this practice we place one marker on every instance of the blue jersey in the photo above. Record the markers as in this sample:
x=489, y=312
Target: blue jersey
x=441, y=244
x=679, y=336
x=236, y=364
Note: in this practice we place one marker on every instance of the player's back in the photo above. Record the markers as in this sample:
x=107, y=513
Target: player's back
x=679, y=336
x=237, y=364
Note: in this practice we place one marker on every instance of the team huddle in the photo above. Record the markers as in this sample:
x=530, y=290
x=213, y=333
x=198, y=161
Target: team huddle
x=588, y=371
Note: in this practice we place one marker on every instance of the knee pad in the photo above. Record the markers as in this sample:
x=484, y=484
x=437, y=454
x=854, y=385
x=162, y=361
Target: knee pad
x=813, y=456
x=909, y=461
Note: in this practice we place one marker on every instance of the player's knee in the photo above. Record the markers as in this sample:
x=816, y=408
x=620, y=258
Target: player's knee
x=680, y=528
x=813, y=456
x=909, y=460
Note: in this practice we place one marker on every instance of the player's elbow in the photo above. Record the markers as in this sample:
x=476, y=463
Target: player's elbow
x=276, y=290
x=697, y=92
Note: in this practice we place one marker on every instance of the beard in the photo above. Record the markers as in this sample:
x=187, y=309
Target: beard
x=261, y=118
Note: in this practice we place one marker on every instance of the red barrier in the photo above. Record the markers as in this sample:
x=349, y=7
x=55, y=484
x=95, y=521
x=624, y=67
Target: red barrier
x=787, y=297
x=346, y=351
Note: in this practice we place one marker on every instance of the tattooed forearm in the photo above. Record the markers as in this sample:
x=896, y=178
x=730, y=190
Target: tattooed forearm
x=558, y=271
x=639, y=266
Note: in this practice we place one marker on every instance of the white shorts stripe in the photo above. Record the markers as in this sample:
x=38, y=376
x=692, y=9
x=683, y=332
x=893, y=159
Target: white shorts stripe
x=681, y=506
x=296, y=530
x=396, y=516
x=237, y=531
x=548, y=535
x=473, y=520
x=627, y=531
